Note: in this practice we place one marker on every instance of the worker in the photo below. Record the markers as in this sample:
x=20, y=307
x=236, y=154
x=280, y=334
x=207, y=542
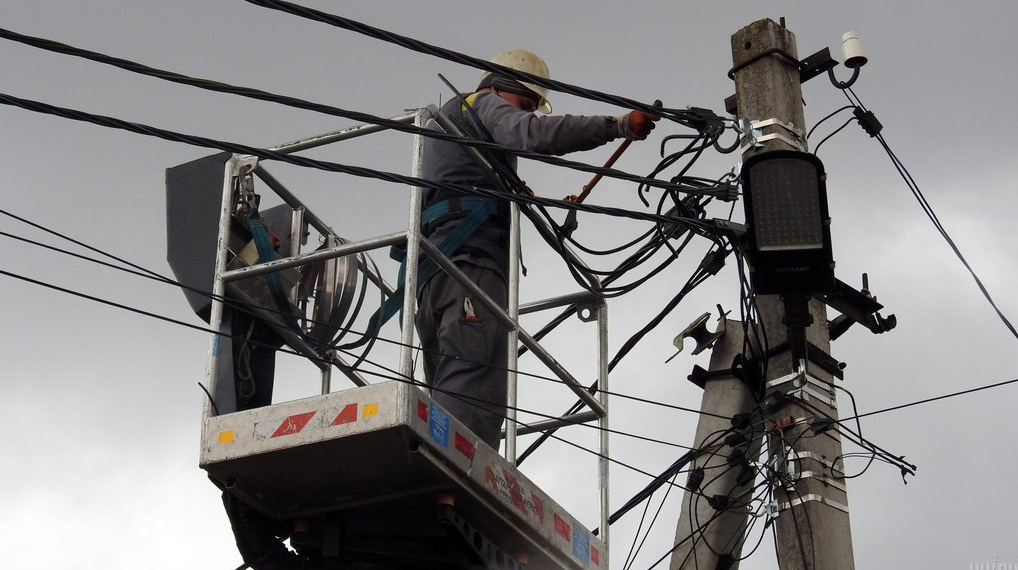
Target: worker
x=464, y=346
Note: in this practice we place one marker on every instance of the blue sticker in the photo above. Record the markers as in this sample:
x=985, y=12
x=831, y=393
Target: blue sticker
x=581, y=544
x=438, y=425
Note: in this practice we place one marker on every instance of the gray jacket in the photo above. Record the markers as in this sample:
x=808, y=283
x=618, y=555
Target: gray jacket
x=448, y=162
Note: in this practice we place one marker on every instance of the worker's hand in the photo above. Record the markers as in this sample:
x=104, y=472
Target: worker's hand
x=636, y=125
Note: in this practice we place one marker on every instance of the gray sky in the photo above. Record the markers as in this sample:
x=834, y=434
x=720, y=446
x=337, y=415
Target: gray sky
x=102, y=406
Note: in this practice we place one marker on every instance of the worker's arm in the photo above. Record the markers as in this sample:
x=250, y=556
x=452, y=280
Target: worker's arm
x=553, y=134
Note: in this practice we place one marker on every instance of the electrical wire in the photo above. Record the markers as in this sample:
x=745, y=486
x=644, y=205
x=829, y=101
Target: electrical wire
x=696, y=532
x=750, y=308
x=898, y=461
x=816, y=150
x=643, y=516
x=710, y=265
x=708, y=446
x=38, y=107
x=352, y=170
x=139, y=271
x=782, y=481
x=145, y=273
x=217, y=86
x=697, y=535
x=257, y=94
x=809, y=135
x=623, y=351
x=727, y=499
x=631, y=558
x=395, y=376
x=936, y=398
x=555, y=235
x=144, y=312
x=928, y=210
x=268, y=154
x=858, y=428
x=699, y=119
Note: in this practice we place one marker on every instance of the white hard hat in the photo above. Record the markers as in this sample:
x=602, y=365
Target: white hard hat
x=527, y=62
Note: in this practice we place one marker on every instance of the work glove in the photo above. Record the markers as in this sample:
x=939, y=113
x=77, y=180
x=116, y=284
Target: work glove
x=636, y=125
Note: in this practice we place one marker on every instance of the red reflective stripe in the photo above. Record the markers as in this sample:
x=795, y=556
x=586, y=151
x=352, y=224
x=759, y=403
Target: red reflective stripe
x=563, y=528
x=464, y=446
x=293, y=424
x=538, y=506
x=347, y=415
x=422, y=410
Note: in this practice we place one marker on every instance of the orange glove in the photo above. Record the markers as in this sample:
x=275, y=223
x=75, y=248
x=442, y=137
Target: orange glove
x=636, y=125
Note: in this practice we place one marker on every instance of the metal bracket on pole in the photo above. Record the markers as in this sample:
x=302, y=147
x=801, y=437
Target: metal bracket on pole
x=810, y=456
x=804, y=385
x=815, y=355
x=795, y=131
x=823, y=478
x=789, y=465
x=752, y=135
x=697, y=330
x=775, y=508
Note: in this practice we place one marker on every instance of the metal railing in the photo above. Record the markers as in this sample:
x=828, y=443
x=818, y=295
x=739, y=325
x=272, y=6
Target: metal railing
x=240, y=167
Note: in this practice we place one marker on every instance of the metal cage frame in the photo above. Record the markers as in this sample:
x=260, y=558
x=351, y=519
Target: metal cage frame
x=597, y=407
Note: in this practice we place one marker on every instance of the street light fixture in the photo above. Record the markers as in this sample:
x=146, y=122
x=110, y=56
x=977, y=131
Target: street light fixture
x=789, y=227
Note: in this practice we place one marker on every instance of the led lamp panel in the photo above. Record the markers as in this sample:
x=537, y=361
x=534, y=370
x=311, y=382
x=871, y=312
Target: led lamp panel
x=789, y=238
x=786, y=206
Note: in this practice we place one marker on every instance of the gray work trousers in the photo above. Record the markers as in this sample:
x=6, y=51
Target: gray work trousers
x=465, y=350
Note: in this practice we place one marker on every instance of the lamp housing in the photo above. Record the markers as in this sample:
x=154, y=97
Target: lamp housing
x=788, y=224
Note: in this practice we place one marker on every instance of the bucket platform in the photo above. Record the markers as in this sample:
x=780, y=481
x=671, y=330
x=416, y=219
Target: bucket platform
x=380, y=455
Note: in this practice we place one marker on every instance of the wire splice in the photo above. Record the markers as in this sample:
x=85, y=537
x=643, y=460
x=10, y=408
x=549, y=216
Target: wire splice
x=742, y=420
x=695, y=479
x=868, y=121
x=820, y=425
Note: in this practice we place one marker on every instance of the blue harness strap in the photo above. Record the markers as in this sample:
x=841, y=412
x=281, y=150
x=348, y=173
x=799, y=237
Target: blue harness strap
x=266, y=253
x=478, y=210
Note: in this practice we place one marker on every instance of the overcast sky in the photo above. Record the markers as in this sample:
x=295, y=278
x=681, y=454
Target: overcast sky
x=102, y=408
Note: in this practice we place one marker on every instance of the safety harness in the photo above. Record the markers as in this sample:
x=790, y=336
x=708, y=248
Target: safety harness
x=471, y=211
x=266, y=253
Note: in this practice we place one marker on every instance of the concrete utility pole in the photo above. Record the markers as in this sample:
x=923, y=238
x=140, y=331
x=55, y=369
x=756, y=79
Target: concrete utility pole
x=812, y=521
x=810, y=504
x=724, y=396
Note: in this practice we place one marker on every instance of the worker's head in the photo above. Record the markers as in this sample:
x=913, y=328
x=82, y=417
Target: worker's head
x=521, y=94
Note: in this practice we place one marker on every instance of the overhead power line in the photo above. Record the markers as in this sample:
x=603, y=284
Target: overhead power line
x=392, y=374
x=700, y=119
x=267, y=154
x=141, y=271
x=257, y=94
x=928, y=208
x=934, y=399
